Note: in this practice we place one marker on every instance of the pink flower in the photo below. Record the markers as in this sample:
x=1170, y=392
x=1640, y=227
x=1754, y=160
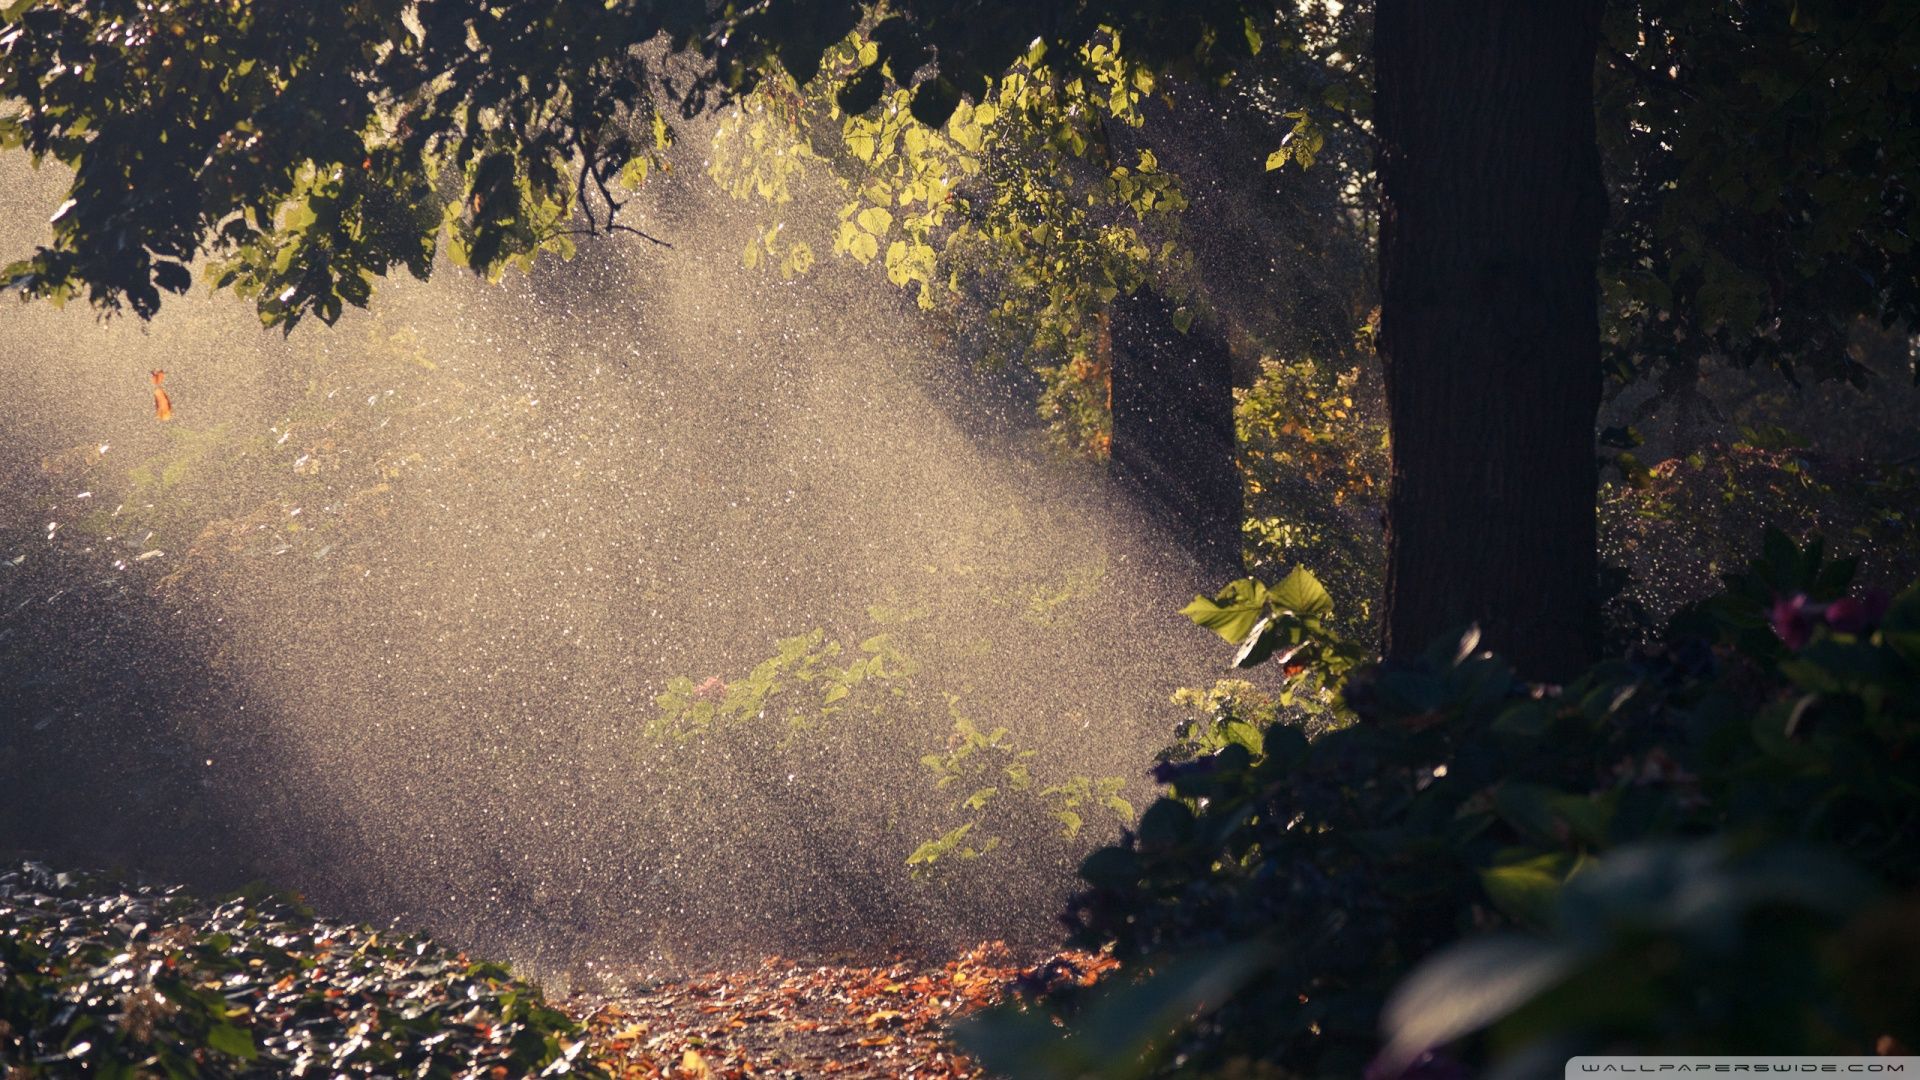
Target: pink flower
x=1857, y=616
x=1847, y=615
x=1793, y=619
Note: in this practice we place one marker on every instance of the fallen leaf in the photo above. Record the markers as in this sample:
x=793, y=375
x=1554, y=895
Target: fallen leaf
x=162, y=404
x=694, y=1067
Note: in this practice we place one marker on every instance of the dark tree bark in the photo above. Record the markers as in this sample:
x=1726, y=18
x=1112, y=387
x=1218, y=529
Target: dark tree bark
x=1173, y=444
x=1489, y=236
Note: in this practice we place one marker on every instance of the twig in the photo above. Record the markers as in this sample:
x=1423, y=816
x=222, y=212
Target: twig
x=644, y=236
x=594, y=225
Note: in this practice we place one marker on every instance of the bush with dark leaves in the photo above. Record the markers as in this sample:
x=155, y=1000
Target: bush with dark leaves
x=102, y=980
x=1661, y=839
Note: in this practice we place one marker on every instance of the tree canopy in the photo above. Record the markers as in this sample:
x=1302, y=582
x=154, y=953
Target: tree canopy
x=1758, y=159
x=313, y=150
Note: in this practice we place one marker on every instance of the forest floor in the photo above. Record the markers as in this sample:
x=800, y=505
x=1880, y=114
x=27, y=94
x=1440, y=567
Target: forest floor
x=785, y=1019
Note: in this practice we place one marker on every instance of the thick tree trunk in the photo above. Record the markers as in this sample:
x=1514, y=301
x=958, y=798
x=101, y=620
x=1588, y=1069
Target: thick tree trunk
x=1489, y=236
x=1173, y=444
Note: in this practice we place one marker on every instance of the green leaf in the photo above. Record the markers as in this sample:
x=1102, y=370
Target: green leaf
x=1070, y=823
x=1528, y=889
x=232, y=1041
x=1780, y=556
x=1301, y=593
x=932, y=850
x=1232, y=612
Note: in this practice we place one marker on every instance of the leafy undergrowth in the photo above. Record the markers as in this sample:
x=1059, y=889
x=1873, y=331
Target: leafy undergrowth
x=101, y=980
x=786, y=1019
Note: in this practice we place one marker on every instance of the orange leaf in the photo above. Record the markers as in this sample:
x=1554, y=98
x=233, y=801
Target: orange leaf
x=162, y=404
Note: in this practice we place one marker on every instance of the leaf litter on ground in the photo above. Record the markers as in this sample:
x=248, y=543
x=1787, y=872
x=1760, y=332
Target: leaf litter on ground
x=788, y=1019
